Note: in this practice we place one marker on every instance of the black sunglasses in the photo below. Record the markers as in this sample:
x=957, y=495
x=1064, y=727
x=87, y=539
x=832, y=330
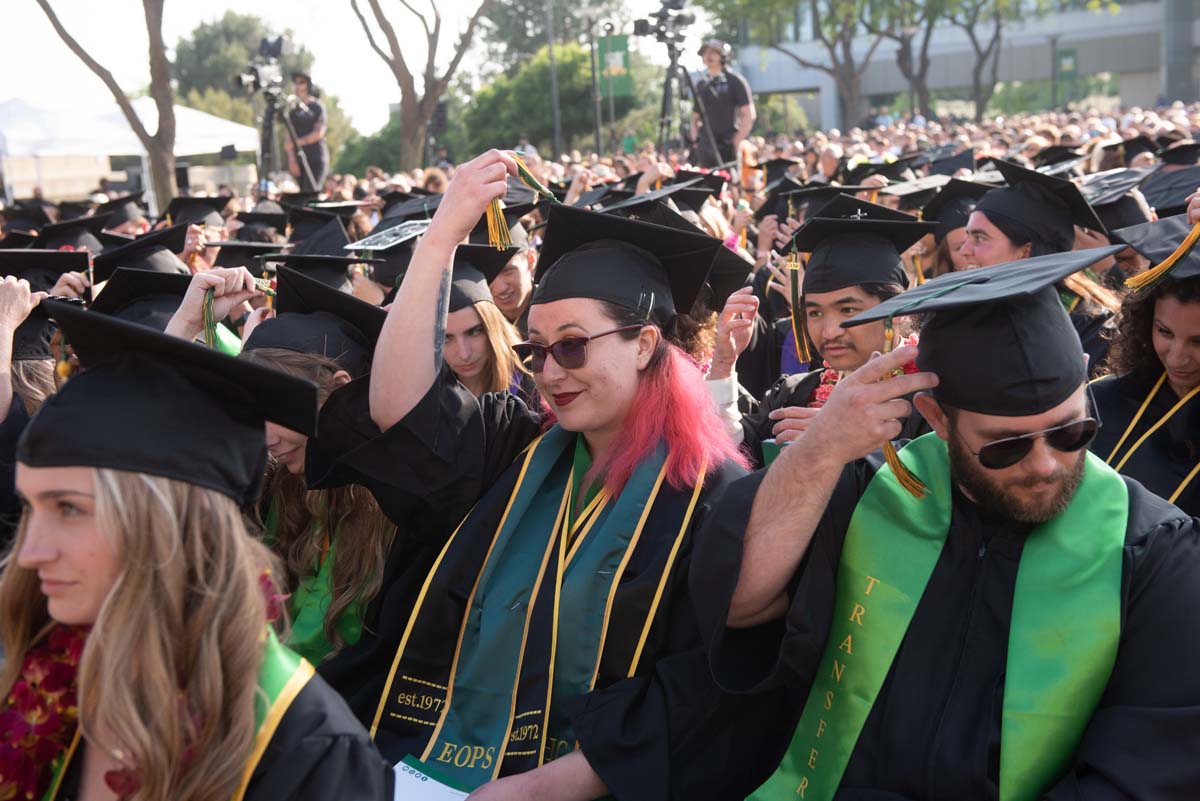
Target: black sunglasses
x=1067, y=438
x=569, y=352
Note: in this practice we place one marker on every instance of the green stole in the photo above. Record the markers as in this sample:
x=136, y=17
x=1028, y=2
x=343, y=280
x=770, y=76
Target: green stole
x=227, y=341
x=281, y=676
x=1062, y=643
x=533, y=634
x=310, y=601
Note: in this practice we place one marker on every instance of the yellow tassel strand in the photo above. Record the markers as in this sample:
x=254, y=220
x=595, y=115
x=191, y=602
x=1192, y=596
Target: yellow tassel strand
x=799, y=334
x=907, y=479
x=533, y=183
x=498, y=233
x=917, y=267
x=1155, y=274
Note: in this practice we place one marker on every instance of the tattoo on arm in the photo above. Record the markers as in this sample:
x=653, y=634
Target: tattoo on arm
x=439, y=323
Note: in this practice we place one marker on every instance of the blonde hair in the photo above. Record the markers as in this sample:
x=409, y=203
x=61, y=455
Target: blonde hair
x=366, y=532
x=504, y=365
x=33, y=381
x=169, y=672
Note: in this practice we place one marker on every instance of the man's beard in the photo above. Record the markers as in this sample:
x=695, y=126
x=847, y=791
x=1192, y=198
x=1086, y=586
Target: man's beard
x=977, y=481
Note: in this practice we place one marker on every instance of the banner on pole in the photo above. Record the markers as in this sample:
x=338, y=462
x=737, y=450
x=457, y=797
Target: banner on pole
x=616, y=77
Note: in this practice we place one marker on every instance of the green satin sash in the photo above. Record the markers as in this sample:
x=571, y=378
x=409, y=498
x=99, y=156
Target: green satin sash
x=1062, y=641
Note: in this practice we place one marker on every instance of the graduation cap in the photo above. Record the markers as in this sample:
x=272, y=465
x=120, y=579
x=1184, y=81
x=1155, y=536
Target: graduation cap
x=1111, y=195
x=601, y=193
x=518, y=192
x=342, y=208
x=849, y=252
x=75, y=234
x=268, y=206
x=475, y=267
x=392, y=199
x=42, y=268
x=898, y=170
x=304, y=222
x=999, y=339
x=512, y=218
x=297, y=199
x=1130, y=148
x=1055, y=154
x=952, y=206
x=254, y=222
x=15, y=240
x=328, y=240
x=236, y=253
x=26, y=218
x=153, y=251
x=847, y=207
x=169, y=408
x=778, y=168
x=1169, y=138
x=71, y=209
x=952, y=164
x=630, y=182
x=329, y=270
x=1185, y=153
x=708, y=180
x=31, y=340
x=142, y=296
x=1063, y=167
x=1047, y=207
x=776, y=202
x=811, y=198
x=560, y=189
x=1158, y=240
x=648, y=268
x=312, y=317
x=204, y=211
x=668, y=191
x=729, y=270
x=111, y=239
x=123, y=209
x=1167, y=192
x=913, y=195
x=421, y=207
x=394, y=246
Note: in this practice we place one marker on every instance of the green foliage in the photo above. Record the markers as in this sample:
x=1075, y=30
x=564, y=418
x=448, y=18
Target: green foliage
x=221, y=104
x=380, y=149
x=1021, y=96
x=779, y=113
x=217, y=51
x=515, y=30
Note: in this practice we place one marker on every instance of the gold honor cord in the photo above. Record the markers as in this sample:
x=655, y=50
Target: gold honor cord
x=1161, y=422
x=1148, y=279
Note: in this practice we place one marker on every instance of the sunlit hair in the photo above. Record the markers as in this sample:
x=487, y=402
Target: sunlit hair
x=303, y=517
x=503, y=364
x=1132, y=350
x=671, y=405
x=170, y=667
x=33, y=381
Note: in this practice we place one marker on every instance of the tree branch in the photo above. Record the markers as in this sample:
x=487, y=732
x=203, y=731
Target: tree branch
x=160, y=74
x=866, y=60
x=803, y=62
x=370, y=36
x=104, y=75
x=418, y=15
x=464, y=44
x=404, y=76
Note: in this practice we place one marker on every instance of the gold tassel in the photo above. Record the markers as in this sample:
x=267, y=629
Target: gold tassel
x=498, y=233
x=1155, y=274
x=533, y=183
x=799, y=333
x=742, y=239
x=917, y=267
x=874, y=196
x=907, y=479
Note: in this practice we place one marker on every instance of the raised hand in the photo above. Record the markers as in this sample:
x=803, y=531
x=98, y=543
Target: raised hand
x=475, y=184
x=735, y=327
x=231, y=287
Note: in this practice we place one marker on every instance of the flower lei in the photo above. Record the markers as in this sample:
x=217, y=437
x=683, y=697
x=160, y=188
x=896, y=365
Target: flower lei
x=39, y=717
x=829, y=377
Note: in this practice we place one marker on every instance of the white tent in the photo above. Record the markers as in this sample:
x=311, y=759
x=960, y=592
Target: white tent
x=27, y=130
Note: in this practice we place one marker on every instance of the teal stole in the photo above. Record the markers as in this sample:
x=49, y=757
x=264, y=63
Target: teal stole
x=533, y=630
x=1062, y=643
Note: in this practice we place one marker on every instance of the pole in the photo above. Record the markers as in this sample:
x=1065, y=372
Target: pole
x=1054, y=71
x=558, y=146
x=912, y=108
x=612, y=103
x=595, y=83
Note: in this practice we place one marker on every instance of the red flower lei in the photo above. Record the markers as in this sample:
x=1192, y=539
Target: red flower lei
x=39, y=718
x=829, y=377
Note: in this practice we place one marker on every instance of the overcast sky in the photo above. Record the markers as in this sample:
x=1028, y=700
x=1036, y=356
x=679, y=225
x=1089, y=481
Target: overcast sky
x=38, y=67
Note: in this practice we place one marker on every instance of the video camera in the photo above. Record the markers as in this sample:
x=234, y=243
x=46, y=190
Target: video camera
x=264, y=73
x=667, y=24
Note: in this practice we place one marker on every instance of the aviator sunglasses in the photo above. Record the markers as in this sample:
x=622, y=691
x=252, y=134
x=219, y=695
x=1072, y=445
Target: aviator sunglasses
x=1068, y=438
x=569, y=352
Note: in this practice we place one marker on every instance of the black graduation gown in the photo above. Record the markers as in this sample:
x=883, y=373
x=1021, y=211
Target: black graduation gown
x=453, y=450
x=319, y=752
x=1096, y=328
x=759, y=366
x=1164, y=460
x=934, y=731
x=772, y=305
x=10, y=506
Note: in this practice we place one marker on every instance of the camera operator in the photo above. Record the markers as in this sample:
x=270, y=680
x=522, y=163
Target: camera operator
x=308, y=118
x=728, y=104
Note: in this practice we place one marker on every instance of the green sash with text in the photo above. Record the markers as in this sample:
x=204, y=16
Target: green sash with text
x=1062, y=641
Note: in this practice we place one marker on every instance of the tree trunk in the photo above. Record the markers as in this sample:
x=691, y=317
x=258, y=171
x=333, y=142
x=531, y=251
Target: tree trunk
x=414, y=128
x=162, y=172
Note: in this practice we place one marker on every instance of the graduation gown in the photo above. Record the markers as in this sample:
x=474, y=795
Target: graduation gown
x=760, y=364
x=1095, y=327
x=319, y=752
x=10, y=507
x=1163, y=462
x=934, y=730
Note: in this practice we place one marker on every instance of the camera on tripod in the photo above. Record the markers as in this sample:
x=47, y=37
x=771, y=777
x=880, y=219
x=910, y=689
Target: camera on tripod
x=263, y=74
x=667, y=24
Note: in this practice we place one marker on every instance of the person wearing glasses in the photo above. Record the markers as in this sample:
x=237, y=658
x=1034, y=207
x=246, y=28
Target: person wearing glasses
x=1147, y=400
x=566, y=572
x=999, y=618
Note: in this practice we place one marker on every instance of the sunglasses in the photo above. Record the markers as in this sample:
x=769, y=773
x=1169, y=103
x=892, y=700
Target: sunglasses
x=569, y=352
x=1067, y=438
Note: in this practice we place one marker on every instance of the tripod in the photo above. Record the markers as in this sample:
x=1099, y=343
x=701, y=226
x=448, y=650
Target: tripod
x=676, y=74
x=267, y=158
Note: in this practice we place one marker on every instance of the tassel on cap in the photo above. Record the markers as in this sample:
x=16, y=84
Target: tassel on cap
x=532, y=182
x=1148, y=279
x=907, y=479
x=917, y=267
x=498, y=233
x=799, y=333
x=210, y=322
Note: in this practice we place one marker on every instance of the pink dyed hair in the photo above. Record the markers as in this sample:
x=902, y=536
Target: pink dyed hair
x=684, y=417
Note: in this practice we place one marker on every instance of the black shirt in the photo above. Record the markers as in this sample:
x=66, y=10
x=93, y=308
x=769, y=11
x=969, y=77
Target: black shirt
x=721, y=95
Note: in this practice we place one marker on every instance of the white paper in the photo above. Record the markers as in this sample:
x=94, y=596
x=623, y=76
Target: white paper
x=414, y=785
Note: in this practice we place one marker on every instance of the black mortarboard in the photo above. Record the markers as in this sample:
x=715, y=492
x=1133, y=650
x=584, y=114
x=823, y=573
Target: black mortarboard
x=421, y=207
x=668, y=191
x=297, y=199
x=42, y=268
x=204, y=211
x=952, y=206
x=1157, y=240
x=75, y=234
x=72, y=209
x=1131, y=148
x=473, y=264
x=1055, y=154
x=268, y=206
x=518, y=193
x=14, y=240
x=27, y=218
x=394, y=246
x=1169, y=138
x=607, y=192
x=123, y=209
x=142, y=296
x=1047, y=208
x=111, y=239
x=31, y=340
x=332, y=271
x=262, y=219
x=630, y=182
x=236, y=253
x=169, y=408
x=1110, y=194
x=153, y=251
x=777, y=168
x=850, y=252
x=328, y=240
x=647, y=268
x=1167, y=192
x=913, y=195
x=999, y=340
x=1181, y=153
x=812, y=197
x=776, y=203
x=303, y=222
x=311, y=317
x=392, y=199
x=708, y=180
x=898, y=170
x=848, y=207
x=952, y=164
x=342, y=208
x=512, y=218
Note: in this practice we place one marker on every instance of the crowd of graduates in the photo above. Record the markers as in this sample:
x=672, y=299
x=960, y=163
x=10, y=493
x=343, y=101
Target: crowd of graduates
x=860, y=467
